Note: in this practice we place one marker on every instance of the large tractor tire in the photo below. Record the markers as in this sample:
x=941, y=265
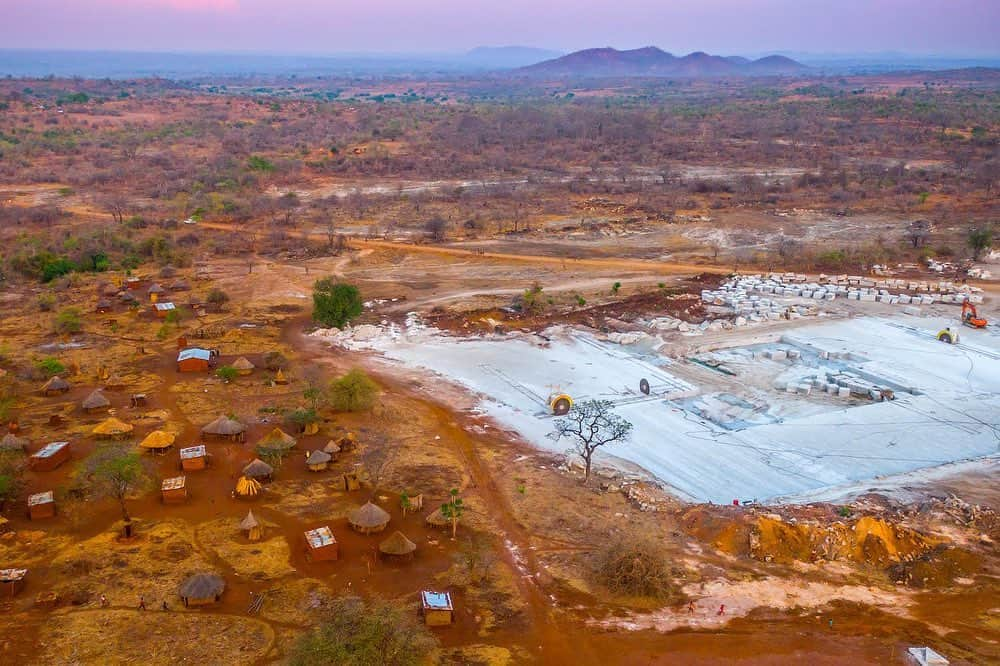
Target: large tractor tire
x=561, y=405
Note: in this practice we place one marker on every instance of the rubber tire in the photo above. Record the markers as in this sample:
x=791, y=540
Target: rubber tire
x=561, y=407
x=944, y=337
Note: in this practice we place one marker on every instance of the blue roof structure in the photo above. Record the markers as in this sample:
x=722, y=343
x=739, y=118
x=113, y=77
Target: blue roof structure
x=436, y=600
x=194, y=352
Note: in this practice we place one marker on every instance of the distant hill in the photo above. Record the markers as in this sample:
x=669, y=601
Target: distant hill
x=651, y=61
x=507, y=57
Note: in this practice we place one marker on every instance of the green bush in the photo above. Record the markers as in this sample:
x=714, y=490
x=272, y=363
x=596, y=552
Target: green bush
x=227, y=373
x=354, y=392
x=68, y=321
x=335, y=303
x=258, y=163
x=50, y=366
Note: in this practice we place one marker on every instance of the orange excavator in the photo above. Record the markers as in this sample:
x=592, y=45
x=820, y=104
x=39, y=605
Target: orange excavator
x=970, y=317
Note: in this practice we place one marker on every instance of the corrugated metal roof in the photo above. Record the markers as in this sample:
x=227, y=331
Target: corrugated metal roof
x=193, y=452
x=50, y=449
x=320, y=537
x=165, y=306
x=194, y=352
x=173, y=483
x=436, y=600
x=41, y=498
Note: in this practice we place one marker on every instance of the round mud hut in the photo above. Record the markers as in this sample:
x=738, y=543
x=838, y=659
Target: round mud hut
x=368, y=519
x=252, y=527
x=114, y=383
x=202, y=589
x=397, y=546
x=112, y=428
x=437, y=518
x=278, y=440
x=258, y=470
x=95, y=401
x=317, y=461
x=225, y=427
x=243, y=366
x=12, y=442
x=158, y=441
x=55, y=386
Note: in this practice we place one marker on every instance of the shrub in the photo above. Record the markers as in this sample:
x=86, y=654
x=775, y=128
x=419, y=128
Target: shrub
x=50, y=366
x=217, y=297
x=46, y=302
x=275, y=361
x=359, y=633
x=354, y=392
x=68, y=321
x=227, y=373
x=335, y=303
x=634, y=565
x=258, y=163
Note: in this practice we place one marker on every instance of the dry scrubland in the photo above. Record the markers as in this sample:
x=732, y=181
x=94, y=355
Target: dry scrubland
x=441, y=199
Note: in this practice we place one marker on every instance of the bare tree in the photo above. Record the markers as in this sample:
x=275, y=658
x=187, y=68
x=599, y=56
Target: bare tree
x=591, y=425
x=918, y=231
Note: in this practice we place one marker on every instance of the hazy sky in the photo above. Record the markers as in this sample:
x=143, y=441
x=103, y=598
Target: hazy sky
x=330, y=26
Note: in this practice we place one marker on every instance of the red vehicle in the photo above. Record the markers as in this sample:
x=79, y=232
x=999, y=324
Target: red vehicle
x=970, y=317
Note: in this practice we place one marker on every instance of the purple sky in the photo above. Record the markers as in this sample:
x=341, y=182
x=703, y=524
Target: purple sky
x=950, y=27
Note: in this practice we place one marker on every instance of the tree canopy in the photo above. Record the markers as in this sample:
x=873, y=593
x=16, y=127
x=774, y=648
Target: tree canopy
x=335, y=303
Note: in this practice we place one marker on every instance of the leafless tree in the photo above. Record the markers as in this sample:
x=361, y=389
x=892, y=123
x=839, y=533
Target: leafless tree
x=591, y=425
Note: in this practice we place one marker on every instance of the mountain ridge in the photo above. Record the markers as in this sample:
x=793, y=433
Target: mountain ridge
x=651, y=61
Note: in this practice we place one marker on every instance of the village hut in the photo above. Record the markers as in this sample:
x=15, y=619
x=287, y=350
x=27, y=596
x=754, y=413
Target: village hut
x=252, y=527
x=332, y=448
x=193, y=458
x=348, y=442
x=41, y=505
x=279, y=440
x=104, y=306
x=95, y=401
x=49, y=456
x=243, y=366
x=280, y=378
x=55, y=386
x=321, y=545
x=112, y=428
x=437, y=519
x=397, y=546
x=259, y=470
x=174, y=490
x=194, y=359
x=163, y=309
x=352, y=481
x=12, y=442
x=246, y=487
x=202, y=589
x=158, y=441
x=181, y=285
x=436, y=607
x=114, y=383
x=225, y=427
x=317, y=461
x=12, y=581
x=155, y=291
x=369, y=519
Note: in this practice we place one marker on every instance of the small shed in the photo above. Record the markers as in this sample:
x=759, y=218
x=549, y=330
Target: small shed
x=95, y=401
x=352, y=481
x=368, y=519
x=11, y=442
x=243, y=366
x=202, y=589
x=321, y=545
x=55, y=386
x=114, y=383
x=278, y=439
x=163, y=309
x=194, y=359
x=12, y=581
x=133, y=283
x=317, y=461
x=49, y=456
x=252, y=527
x=112, y=428
x=397, y=546
x=174, y=490
x=436, y=608
x=225, y=427
x=259, y=470
x=194, y=458
x=41, y=505
x=247, y=487
x=158, y=441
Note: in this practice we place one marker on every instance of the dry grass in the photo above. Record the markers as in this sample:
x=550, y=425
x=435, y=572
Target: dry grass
x=263, y=560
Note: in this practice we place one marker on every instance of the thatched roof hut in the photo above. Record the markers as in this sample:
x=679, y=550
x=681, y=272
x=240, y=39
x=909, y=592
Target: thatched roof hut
x=114, y=383
x=252, y=527
x=332, y=448
x=55, y=385
x=279, y=377
x=158, y=440
x=369, y=519
x=155, y=288
x=200, y=589
x=258, y=469
x=243, y=366
x=112, y=427
x=103, y=305
x=397, y=545
x=247, y=487
x=12, y=442
x=181, y=285
x=437, y=518
x=278, y=439
x=95, y=401
x=224, y=427
x=317, y=460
